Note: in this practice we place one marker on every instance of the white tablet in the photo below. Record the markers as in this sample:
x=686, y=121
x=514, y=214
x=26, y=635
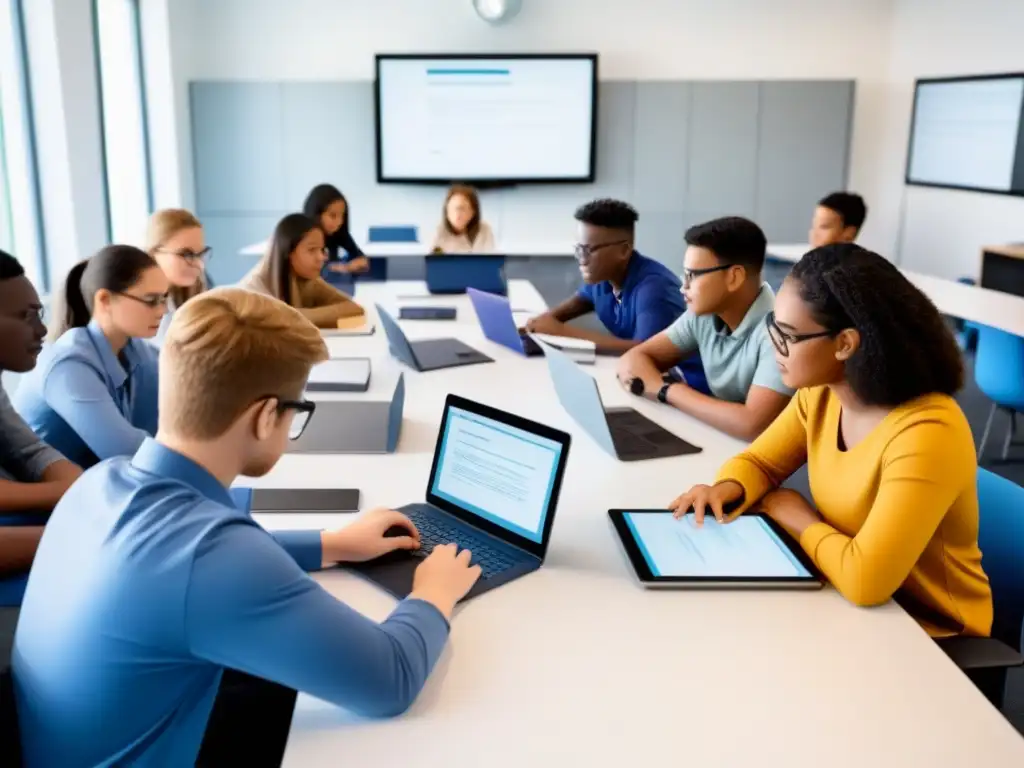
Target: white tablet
x=341, y=374
x=752, y=551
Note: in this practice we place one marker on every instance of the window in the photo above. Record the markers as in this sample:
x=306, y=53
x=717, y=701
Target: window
x=20, y=224
x=122, y=105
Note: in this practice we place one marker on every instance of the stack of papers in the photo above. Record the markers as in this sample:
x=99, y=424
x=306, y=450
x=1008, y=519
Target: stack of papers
x=579, y=350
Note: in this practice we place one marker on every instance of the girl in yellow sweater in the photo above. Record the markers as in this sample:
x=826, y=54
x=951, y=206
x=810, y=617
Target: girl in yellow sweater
x=889, y=452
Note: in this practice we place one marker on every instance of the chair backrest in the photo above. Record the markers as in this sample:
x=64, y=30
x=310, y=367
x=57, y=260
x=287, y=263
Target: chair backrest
x=1001, y=538
x=10, y=738
x=999, y=366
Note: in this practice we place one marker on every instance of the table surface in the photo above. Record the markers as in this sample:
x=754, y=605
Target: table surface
x=577, y=664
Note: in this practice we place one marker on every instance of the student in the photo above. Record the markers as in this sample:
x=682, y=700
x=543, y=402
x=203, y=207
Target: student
x=94, y=393
x=635, y=297
x=33, y=476
x=462, y=228
x=290, y=271
x=174, y=238
x=890, y=454
x=328, y=208
x=837, y=219
x=727, y=304
x=193, y=585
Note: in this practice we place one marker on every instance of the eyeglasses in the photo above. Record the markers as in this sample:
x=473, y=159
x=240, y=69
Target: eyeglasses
x=31, y=316
x=584, y=252
x=689, y=274
x=303, y=413
x=781, y=340
x=189, y=255
x=151, y=300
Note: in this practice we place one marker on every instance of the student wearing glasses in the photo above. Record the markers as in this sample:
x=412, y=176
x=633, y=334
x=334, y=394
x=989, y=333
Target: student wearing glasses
x=33, y=476
x=171, y=587
x=93, y=394
x=634, y=297
x=290, y=271
x=174, y=238
x=894, y=503
x=727, y=303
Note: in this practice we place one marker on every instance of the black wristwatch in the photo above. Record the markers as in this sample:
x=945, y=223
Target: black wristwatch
x=663, y=392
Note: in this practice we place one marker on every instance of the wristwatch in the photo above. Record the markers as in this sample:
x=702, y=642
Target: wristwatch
x=663, y=392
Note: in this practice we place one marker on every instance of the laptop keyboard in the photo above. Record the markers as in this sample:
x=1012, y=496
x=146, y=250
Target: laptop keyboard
x=434, y=531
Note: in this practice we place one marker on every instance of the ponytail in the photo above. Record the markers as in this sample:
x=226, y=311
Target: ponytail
x=72, y=310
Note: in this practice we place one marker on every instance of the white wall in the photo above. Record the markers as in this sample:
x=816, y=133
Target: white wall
x=643, y=39
x=944, y=230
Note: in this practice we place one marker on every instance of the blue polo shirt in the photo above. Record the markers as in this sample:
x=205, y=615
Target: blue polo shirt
x=148, y=582
x=84, y=403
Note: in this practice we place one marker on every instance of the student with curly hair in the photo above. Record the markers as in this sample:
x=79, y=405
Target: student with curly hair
x=890, y=454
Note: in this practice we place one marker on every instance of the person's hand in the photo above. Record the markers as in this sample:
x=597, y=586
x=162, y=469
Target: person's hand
x=790, y=510
x=360, y=267
x=338, y=266
x=444, y=578
x=628, y=370
x=363, y=539
x=703, y=497
x=545, y=323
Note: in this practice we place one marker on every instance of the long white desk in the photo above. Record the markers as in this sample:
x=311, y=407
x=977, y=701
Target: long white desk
x=576, y=665
x=533, y=248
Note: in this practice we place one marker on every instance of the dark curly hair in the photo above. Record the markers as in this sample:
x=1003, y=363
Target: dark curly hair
x=906, y=349
x=612, y=214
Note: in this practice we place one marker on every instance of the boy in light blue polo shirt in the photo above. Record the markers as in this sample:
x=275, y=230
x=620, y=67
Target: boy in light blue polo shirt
x=727, y=305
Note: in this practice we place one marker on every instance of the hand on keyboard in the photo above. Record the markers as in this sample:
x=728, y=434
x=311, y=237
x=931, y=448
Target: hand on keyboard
x=444, y=578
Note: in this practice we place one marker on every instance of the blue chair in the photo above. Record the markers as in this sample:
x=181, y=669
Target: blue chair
x=403, y=233
x=999, y=372
x=1001, y=539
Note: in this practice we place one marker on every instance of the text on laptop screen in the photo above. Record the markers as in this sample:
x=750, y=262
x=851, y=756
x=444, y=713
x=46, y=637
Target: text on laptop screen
x=496, y=471
x=745, y=547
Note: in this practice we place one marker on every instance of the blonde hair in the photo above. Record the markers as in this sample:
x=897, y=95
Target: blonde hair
x=224, y=351
x=163, y=225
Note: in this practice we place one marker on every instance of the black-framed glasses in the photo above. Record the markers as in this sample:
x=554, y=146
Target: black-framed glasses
x=781, y=340
x=585, y=253
x=189, y=255
x=303, y=413
x=689, y=274
x=151, y=300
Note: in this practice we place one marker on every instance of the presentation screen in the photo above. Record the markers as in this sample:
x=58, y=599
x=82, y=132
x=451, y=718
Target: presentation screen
x=968, y=133
x=483, y=119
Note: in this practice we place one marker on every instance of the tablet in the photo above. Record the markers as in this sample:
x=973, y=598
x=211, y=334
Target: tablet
x=752, y=551
x=340, y=374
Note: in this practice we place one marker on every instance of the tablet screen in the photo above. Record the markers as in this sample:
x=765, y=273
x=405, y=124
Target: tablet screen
x=746, y=547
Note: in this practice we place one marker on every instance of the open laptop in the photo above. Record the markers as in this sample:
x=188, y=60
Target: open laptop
x=429, y=355
x=499, y=325
x=493, y=489
x=622, y=432
x=454, y=273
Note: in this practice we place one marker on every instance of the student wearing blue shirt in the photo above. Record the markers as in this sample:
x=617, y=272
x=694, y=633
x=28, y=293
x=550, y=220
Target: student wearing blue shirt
x=149, y=582
x=33, y=476
x=94, y=393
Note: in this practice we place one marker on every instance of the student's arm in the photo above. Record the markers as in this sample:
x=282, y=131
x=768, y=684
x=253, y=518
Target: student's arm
x=41, y=496
x=329, y=305
x=271, y=620
x=357, y=261
x=924, y=469
x=650, y=359
x=779, y=452
x=78, y=395
x=18, y=545
x=484, y=240
x=554, y=319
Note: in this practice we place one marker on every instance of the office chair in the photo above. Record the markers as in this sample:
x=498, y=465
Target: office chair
x=10, y=737
x=999, y=372
x=1001, y=538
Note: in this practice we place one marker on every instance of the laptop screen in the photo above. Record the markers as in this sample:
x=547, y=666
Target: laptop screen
x=497, y=471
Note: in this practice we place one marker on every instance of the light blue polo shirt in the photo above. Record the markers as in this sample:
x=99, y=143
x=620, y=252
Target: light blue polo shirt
x=733, y=362
x=84, y=403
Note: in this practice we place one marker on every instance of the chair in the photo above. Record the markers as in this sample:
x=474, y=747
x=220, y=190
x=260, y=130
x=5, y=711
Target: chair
x=999, y=372
x=1001, y=538
x=404, y=233
x=966, y=331
x=10, y=738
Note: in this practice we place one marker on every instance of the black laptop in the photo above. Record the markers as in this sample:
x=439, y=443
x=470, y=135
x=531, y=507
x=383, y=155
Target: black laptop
x=430, y=354
x=493, y=489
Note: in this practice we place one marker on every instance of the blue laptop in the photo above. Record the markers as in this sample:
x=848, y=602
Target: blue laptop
x=493, y=489
x=454, y=273
x=498, y=324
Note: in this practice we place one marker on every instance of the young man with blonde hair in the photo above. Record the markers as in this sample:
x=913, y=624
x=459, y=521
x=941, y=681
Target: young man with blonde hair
x=148, y=582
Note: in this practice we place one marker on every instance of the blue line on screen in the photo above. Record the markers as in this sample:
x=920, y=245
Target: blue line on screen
x=433, y=71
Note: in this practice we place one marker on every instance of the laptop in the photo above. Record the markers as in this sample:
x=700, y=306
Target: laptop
x=452, y=273
x=493, y=489
x=430, y=355
x=623, y=432
x=498, y=324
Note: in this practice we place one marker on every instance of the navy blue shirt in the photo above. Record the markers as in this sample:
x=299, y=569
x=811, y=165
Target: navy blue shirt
x=148, y=582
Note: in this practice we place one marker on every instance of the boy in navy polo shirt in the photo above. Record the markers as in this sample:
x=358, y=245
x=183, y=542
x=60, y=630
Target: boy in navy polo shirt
x=635, y=297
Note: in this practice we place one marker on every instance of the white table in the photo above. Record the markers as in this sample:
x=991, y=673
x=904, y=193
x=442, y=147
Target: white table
x=533, y=248
x=791, y=252
x=576, y=665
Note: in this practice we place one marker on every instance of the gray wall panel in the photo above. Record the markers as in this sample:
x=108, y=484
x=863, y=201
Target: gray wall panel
x=226, y=234
x=804, y=140
x=237, y=144
x=660, y=144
